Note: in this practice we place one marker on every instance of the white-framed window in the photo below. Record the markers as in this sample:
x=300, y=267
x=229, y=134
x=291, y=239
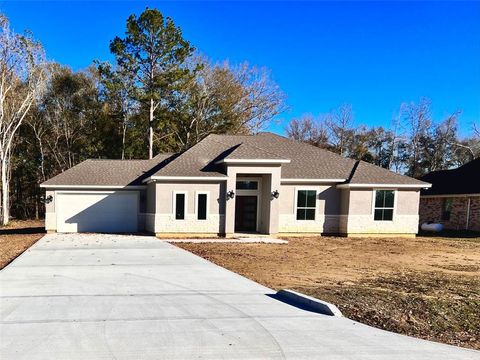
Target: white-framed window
x=306, y=204
x=201, y=205
x=246, y=184
x=179, y=205
x=384, y=205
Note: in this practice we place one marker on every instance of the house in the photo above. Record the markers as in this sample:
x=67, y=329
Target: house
x=230, y=184
x=454, y=198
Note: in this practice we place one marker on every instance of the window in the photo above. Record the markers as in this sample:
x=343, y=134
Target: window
x=247, y=185
x=179, y=206
x=306, y=204
x=202, y=207
x=384, y=200
x=446, y=209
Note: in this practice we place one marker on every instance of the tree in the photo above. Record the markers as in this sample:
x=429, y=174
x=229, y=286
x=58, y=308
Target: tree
x=222, y=99
x=417, y=118
x=309, y=130
x=22, y=79
x=72, y=119
x=118, y=91
x=153, y=53
x=340, y=125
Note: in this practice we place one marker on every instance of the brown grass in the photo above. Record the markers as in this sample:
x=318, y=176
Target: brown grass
x=424, y=287
x=17, y=237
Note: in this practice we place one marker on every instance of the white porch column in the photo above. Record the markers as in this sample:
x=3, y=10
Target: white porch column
x=274, y=203
x=230, y=203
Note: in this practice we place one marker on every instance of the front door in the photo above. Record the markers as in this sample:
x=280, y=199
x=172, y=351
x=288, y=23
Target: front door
x=245, y=213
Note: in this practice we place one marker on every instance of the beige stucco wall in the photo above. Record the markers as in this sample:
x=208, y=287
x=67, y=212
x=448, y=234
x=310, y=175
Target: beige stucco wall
x=327, y=215
x=162, y=219
x=360, y=213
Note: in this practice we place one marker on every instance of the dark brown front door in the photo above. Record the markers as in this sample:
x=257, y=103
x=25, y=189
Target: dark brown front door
x=245, y=213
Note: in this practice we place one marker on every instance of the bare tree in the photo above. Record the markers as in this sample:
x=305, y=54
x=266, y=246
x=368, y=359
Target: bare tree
x=476, y=131
x=340, y=125
x=308, y=129
x=223, y=98
x=417, y=119
x=22, y=78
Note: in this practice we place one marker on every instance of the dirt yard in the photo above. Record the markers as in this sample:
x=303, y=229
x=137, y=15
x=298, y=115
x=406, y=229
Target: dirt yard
x=423, y=287
x=17, y=237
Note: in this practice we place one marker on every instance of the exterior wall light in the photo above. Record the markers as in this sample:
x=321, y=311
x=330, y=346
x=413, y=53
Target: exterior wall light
x=275, y=194
x=48, y=199
x=230, y=194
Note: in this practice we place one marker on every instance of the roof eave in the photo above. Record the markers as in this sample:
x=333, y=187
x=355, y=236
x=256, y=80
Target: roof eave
x=302, y=180
x=184, y=178
x=253, y=161
x=411, y=186
x=63, y=186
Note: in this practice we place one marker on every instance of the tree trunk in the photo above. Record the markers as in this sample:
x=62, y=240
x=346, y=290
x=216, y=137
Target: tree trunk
x=123, y=140
x=5, y=195
x=150, y=137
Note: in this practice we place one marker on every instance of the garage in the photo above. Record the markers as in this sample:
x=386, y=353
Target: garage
x=99, y=211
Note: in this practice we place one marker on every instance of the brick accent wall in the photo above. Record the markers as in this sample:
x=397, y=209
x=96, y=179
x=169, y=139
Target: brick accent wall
x=474, y=223
x=431, y=210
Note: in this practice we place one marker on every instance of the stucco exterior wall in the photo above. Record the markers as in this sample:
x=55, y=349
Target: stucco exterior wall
x=360, y=215
x=327, y=214
x=431, y=209
x=162, y=220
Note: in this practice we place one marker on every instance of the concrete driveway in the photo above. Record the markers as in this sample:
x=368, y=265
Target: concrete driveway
x=136, y=297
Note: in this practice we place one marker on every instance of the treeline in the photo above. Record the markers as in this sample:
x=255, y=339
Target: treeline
x=158, y=95
x=414, y=143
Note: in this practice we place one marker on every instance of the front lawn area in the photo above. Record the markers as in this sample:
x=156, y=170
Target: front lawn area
x=425, y=287
x=17, y=237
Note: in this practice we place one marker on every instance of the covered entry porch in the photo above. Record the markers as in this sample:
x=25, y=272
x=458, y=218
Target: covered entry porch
x=252, y=199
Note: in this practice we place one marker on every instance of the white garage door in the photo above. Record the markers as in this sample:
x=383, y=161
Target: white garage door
x=111, y=212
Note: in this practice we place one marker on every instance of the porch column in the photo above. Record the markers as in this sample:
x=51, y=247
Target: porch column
x=274, y=203
x=230, y=203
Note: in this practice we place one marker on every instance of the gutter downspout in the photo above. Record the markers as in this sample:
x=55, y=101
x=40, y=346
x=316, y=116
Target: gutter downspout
x=468, y=214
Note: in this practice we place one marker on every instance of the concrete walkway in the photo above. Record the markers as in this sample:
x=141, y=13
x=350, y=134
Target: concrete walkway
x=246, y=240
x=134, y=297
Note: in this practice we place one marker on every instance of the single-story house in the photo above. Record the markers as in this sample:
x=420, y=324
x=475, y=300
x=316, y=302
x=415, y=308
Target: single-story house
x=454, y=198
x=228, y=184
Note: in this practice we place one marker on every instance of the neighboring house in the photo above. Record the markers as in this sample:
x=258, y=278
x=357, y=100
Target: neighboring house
x=225, y=184
x=454, y=198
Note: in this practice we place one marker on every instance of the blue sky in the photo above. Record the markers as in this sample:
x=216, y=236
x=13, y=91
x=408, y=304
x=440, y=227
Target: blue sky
x=373, y=55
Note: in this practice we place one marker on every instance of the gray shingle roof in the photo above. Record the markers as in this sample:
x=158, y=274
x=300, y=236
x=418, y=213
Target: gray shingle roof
x=101, y=172
x=248, y=151
x=366, y=173
x=202, y=160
